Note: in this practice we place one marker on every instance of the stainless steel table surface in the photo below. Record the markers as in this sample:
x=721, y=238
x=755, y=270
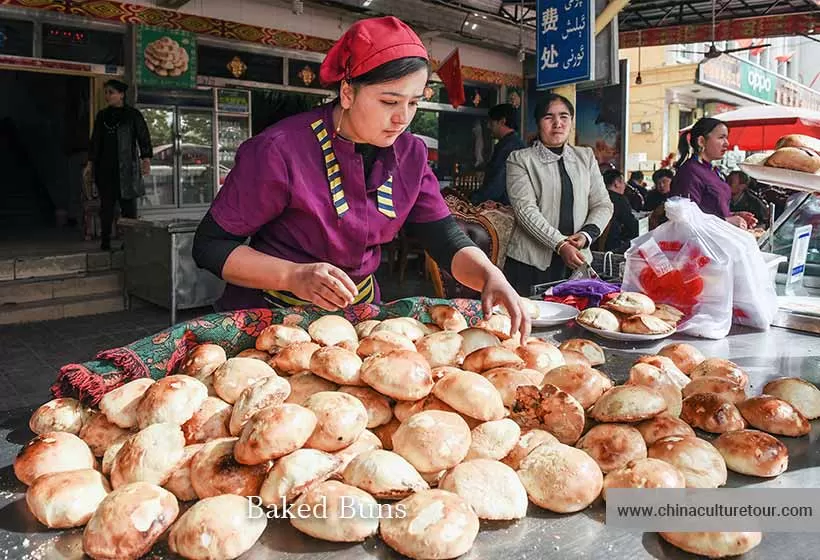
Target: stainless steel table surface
x=542, y=534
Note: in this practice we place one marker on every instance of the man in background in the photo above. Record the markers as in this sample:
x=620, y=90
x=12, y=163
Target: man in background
x=623, y=227
x=635, y=191
x=662, y=178
x=503, y=126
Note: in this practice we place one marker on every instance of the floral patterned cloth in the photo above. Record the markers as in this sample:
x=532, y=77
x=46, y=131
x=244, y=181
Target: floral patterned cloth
x=159, y=355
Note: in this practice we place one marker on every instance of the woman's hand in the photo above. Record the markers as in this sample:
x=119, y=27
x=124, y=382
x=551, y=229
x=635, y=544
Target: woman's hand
x=748, y=217
x=323, y=284
x=738, y=221
x=579, y=240
x=571, y=255
x=497, y=291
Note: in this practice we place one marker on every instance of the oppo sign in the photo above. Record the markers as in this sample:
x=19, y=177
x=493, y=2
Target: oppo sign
x=758, y=81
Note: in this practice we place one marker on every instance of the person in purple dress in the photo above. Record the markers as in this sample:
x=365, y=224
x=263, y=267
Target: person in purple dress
x=318, y=193
x=697, y=179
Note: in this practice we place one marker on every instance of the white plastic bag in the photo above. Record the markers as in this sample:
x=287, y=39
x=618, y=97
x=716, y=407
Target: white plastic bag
x=686, y=263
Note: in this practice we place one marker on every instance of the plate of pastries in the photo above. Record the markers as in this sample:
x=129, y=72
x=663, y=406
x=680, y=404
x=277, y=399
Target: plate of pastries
x=403, y=419
x=631, y=317
x=795, y=163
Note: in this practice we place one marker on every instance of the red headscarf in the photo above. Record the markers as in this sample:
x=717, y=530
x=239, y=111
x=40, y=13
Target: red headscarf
x=367, y=44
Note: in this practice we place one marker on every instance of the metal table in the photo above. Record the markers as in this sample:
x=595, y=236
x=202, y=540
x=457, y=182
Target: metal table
x=541, y=534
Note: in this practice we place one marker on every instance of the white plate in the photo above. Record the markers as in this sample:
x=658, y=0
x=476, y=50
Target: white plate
x=550, y=313
x=796, y=180
x=627, y=337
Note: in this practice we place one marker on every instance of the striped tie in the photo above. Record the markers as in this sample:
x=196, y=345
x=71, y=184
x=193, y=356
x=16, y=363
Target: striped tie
x=384, y=198
x=334, y=173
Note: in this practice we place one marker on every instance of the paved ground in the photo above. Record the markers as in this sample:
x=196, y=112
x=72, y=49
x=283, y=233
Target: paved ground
x=32, y=354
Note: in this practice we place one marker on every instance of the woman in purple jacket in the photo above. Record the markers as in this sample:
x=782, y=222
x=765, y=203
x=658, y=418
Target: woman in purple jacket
x=698, y=180
x=319, y=192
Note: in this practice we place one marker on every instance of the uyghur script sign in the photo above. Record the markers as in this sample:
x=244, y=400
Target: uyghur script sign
x=566, y=29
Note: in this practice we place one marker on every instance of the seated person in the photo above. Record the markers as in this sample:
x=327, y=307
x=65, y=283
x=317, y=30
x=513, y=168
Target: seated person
x=743, y=199
x=660, y=194
x=502, y=125
x=624, y=226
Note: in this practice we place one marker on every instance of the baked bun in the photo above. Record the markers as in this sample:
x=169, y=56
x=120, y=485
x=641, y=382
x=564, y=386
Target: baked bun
x=502, y=496
x=507, y=380
x=644, y=473
x=217, y=527
x=202, y=361
x=305, y=384
x=662, y=426
x=714, y=545
x=99, y=433
x=486, y=359
x=711, y=413
x=255, y=354
x=129, y=521
x=171, y=400
x=628, y=403
x=650, y=376
x=441, y=349
x=498, y=324
x=701, y=464
x=337, y=365
x=52, y=452
x=179, y=484
x=237, y=374
x=384, y=475
x=58, y=415
x=549, y=409
x=297, y=473
x=120, y=404
x=476, y=339
x=685, y=356
x=598, y=318
x=271, y=391
x=437, y=525
x=724, y=388
x=274, y=432
x=667, y=366
x=798, y=141
x=433, y=440
x=385, y=433
x=582, y=382
x=592, y=352
x=401, y=375
x=337, y=512
x=110, y=454
x=294, y=358
x=382, y=342
x=66, y=499
x=405, y=326
x=493, y=440
x=671, y=315
x=365, y=328
x=448, y=318
x=149, y=456
x=799, y=393
x=275, y=337
x=645, y=324
x=717, y=367
x=631, y=303
x=471, y=394
x=215, y=471
x=753, y=453
x=774, y=416
x=561, y=478
x=796, y=159
x=526, y=443
x=340, y=419
x=540, y=356
x=367, y=441
x=612, y=446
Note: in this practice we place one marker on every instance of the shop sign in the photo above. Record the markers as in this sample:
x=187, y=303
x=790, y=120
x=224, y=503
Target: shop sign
x=166, y=58
x=233, y=101
x=565, y=46
x=757, y=82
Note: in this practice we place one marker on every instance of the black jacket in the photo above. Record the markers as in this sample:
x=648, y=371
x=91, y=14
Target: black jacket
x=624, y=225
x=133, y=144
x=495, y=176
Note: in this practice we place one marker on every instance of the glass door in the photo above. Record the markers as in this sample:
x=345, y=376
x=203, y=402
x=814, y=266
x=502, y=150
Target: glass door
x=196, y=147
x=160, y=185
x=233, y=130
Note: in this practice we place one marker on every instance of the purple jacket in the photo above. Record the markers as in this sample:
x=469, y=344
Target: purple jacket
x=699, y=181
x=278, y=195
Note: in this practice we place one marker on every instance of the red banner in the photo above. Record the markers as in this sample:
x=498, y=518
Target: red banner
x=450, y=74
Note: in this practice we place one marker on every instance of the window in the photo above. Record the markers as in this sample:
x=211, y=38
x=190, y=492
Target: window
x=83, y=45
x=16, y=37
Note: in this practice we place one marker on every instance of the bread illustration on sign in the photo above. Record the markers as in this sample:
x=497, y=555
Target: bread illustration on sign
x=167, y=58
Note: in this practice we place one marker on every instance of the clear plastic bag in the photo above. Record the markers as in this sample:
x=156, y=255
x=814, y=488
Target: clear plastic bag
x=687, y=263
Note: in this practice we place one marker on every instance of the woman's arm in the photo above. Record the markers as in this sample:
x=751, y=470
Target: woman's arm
x=143, y=136
x=521, y=192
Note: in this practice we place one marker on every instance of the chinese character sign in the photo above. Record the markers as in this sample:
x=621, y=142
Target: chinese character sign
x=565, y=43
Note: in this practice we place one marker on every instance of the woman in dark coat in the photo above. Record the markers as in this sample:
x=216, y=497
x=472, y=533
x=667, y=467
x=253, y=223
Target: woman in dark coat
x=119, y=155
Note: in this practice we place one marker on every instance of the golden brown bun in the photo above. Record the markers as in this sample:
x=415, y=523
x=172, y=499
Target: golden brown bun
x=753, y=453
x=774, y=415
x=798, y=141
x=796, y=159
x=631, y=303
x=645, y=324
x=711, y=413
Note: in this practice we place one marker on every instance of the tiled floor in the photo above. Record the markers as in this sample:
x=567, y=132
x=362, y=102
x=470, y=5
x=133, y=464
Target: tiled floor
x=32, y=354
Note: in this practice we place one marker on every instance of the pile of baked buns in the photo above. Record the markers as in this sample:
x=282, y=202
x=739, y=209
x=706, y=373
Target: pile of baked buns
x=413, y=432
x=633, y=313
x=796, y=152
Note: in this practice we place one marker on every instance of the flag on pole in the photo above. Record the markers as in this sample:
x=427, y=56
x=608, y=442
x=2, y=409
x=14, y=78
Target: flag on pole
x=450, y=73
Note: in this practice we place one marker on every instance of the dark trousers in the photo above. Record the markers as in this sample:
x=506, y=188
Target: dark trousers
x=128, y=209
x=523, y=277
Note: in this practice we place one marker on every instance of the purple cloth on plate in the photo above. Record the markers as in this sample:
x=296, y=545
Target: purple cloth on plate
x=594, y=290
